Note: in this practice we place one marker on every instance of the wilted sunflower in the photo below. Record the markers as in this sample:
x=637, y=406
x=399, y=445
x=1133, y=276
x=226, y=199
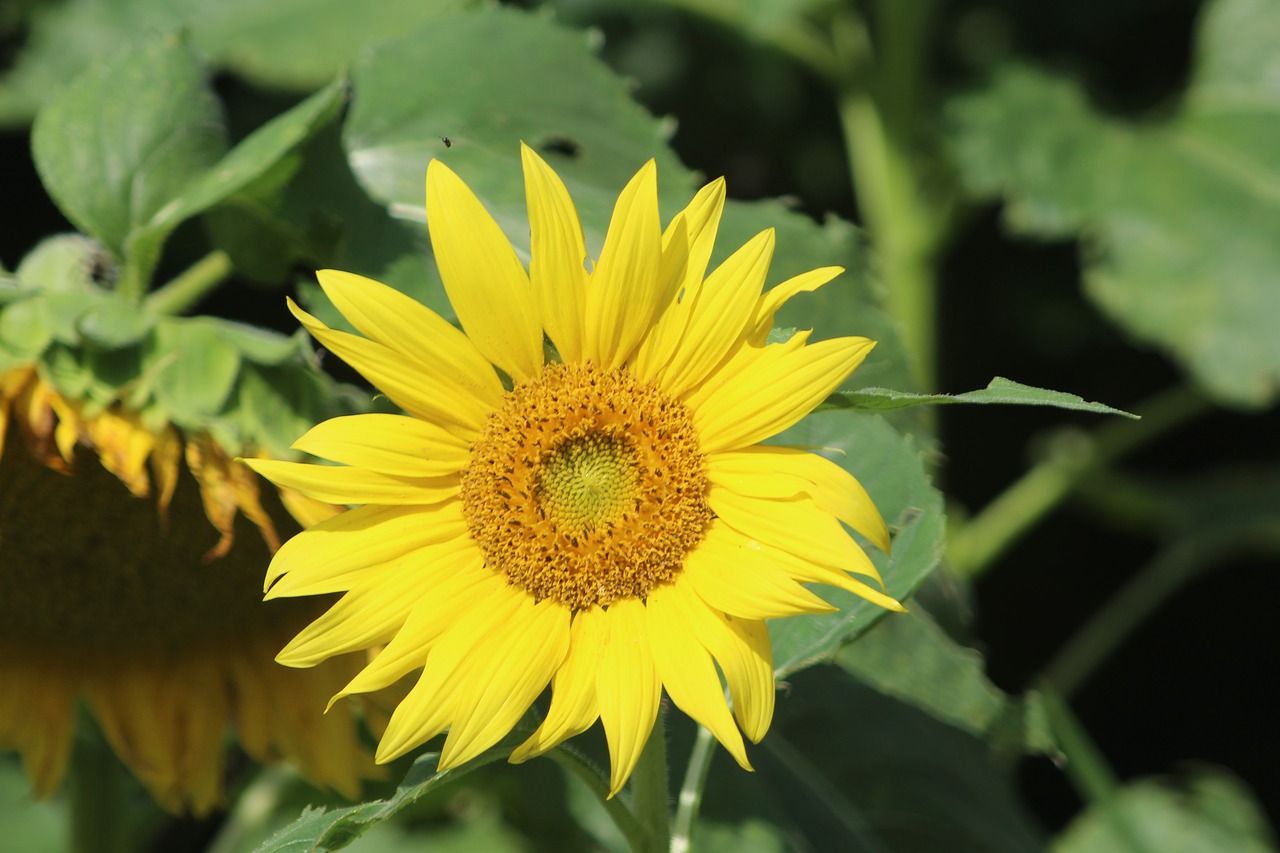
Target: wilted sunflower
x=152, y=618
x=604, y=519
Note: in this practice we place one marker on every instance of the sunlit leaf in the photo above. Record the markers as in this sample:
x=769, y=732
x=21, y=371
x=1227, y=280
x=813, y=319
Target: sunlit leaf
x=999, y=390
x=1180, y=216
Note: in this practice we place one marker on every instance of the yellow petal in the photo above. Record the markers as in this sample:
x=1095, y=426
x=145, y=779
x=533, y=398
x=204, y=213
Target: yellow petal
x=718, y=314
x=394, y=320
x=346, y=544
x=785, y=472
x=558, y=254
x=387, y=444
x=503, y=677
x=484, y=279
x=451, y=543
x=573, y=689
x=797, y=526
x=369, y=615
x=769, y=303
x=627, y=688
x=686, y=669
x=434, y=702
x=696, y=226
x=775, y=391
x=343, y=485
x=624, y=292
x=418, y=388
x=430, y=618
x=732, y=577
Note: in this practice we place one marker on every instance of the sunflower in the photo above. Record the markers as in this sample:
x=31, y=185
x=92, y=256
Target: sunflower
x=595, y=513
x=150, y=617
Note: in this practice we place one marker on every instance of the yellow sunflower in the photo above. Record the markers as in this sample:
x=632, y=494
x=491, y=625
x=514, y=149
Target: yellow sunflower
x=151, y=618
x=599, y=514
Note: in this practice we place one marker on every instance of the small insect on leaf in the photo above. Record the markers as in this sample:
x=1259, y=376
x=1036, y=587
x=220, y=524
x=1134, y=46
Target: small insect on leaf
x=448, y=143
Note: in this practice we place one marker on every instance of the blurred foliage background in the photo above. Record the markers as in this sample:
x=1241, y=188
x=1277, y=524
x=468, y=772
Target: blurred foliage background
x=1080, y=196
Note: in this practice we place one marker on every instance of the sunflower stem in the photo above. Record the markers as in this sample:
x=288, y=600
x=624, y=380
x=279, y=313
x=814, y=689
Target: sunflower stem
x=191, y=286
x=96, y=796
x=650, y=788
x=636, y=833
x=881, y=85
x=1074, y=457
x=1087, y=768
x=1111, y=624
x=690, y=799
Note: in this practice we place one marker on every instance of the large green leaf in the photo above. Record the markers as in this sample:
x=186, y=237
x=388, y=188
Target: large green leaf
x=540, y=83
x=890, y=466
x=1208, y=810
x=846, y=768
x=293, y=44
x=112, y=162
x=907, y=656
x=1181, y=216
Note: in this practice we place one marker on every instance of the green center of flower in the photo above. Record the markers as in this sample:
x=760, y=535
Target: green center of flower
x=588, y=482
x=587, y=487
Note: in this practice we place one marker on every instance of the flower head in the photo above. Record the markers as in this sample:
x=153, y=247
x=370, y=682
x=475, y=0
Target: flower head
x=598, y=514
x=151, y=618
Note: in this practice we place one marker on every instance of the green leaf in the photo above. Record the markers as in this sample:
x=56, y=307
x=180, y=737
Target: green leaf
x=111, y=162
x=890, y=467
x=1207, y=810
x=846, y=768
x=114, y=322
x=999, y=390
x=907, y=656
x=321, y=829
x=1180, y=217
x=31, y=825
x=574, y=111
x=291, y=44
x=196, y=367
x=252, y=158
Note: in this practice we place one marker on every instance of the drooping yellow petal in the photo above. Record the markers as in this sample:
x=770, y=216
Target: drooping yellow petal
x=387, y=316
x=573, y=689
x=797, y=525
x=775, y=391
x=627, y=687
x=735, y=578
x=484, y=279
x=686, y=669
x=372, y=612
x=624, y=292
x=741, y=647
x=388, y=444
x=430, y=618
x=420, y=389
x=504, y=675
x=558, y=253
x=338, y=549
x=452, y=546
x=784, y=472
x=718, y=314
x=342, y=484
x=769, y=303
x=433, y=703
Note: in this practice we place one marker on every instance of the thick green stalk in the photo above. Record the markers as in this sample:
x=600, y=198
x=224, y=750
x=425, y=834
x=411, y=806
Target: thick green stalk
x=650, y=790
x=1088, y=770
x=636, y=833
x=973, y=547
x=690, y=799
x=1128, y=608
x=191, y=286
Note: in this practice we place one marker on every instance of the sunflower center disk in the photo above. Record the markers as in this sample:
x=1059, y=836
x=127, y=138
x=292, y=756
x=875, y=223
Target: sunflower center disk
x=587, y=487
